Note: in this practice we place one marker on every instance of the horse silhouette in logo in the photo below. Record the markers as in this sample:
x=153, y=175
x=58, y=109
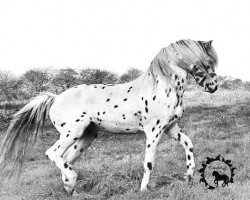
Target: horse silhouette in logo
x=220, y=177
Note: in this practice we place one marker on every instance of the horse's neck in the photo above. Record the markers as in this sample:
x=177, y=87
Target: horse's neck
x=177, y=79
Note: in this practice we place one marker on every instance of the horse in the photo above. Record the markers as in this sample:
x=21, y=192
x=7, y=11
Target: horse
x=220, y=177
x=152, y=103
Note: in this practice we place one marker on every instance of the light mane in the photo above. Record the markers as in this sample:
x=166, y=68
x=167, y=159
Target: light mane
x=182, y=54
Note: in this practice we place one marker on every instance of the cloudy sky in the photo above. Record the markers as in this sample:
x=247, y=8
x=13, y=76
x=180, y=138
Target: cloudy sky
x=118, y=34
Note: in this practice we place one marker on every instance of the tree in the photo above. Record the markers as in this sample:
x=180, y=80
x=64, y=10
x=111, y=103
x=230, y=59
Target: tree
x=97, y=76
x=130, y=75
x=37, y=79
x=9, y=86
x=65, y=78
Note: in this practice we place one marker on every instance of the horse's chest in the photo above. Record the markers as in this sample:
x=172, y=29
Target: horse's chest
x=175, y=110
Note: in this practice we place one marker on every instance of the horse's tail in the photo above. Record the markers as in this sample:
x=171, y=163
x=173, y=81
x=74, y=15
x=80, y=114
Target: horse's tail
x=23, y=130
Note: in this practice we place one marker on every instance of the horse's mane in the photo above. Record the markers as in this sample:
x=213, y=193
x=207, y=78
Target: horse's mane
x=182, y=54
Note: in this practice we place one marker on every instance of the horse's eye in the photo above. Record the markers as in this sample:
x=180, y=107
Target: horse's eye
x=210, y=62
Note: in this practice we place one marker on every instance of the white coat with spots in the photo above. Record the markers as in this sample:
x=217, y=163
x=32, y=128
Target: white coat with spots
x=152, y=103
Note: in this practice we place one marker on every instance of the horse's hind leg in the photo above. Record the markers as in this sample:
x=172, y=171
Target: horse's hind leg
x=70, y=133
x=75, y=150
x=177, y=134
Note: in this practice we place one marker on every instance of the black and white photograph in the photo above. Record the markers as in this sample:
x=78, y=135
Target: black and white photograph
x=124, y=100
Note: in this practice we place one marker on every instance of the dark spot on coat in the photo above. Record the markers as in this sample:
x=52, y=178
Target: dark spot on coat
x=146, y=102
x=58, y=146
x=67, y=135
x=148, y=145
x=178, y=100
x=75, y=147
x=187, y=166
x=154, y=97
x=149, y=165
x=115, y=106
x=153, y=129
x=65, y=165
x=146, y=109
x=127, y=129
x=156, y=136
x=54, y=122
x=175, y=76
x=108, y=100
x=81, y=150
x=103, y=87
x=84, y=113
x=179, y=137
x=75, y=138
x=191, y=150
x=173, y=118
x=142, y=98
x=189, y=157
x=158, y=121
x=63, y=124
x=125, y=99
x=178, y=83
x=186, y=143
x=77, y=120
x=98, y=119
x=103, y=113
x=98, y=113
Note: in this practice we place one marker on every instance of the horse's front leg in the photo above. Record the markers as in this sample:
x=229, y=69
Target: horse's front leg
x=153, y=134
x=176, y=133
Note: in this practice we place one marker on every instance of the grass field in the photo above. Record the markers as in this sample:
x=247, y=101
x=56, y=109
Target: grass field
x=218, y=124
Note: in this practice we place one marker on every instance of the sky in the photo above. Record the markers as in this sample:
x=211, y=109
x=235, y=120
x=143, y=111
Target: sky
x=118, y=34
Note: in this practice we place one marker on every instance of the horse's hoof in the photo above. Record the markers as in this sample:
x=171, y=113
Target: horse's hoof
x=146, y=188
x=69, y=189
x=189, y=178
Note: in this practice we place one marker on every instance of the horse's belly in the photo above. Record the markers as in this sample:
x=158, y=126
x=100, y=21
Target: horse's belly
x=116, y=126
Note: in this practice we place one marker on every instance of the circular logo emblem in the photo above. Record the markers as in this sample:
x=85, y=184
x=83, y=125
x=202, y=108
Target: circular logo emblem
x=216, y=172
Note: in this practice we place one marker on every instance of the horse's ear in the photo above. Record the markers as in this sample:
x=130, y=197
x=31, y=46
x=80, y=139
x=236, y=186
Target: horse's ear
x=208, y=45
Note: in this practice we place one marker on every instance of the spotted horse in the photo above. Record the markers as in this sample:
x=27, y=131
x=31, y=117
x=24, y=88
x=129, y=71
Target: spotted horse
x=153, y=103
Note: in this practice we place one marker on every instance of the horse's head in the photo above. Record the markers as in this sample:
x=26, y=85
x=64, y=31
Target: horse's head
x=197, y=58
x=203, y=69
x=215, y=173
